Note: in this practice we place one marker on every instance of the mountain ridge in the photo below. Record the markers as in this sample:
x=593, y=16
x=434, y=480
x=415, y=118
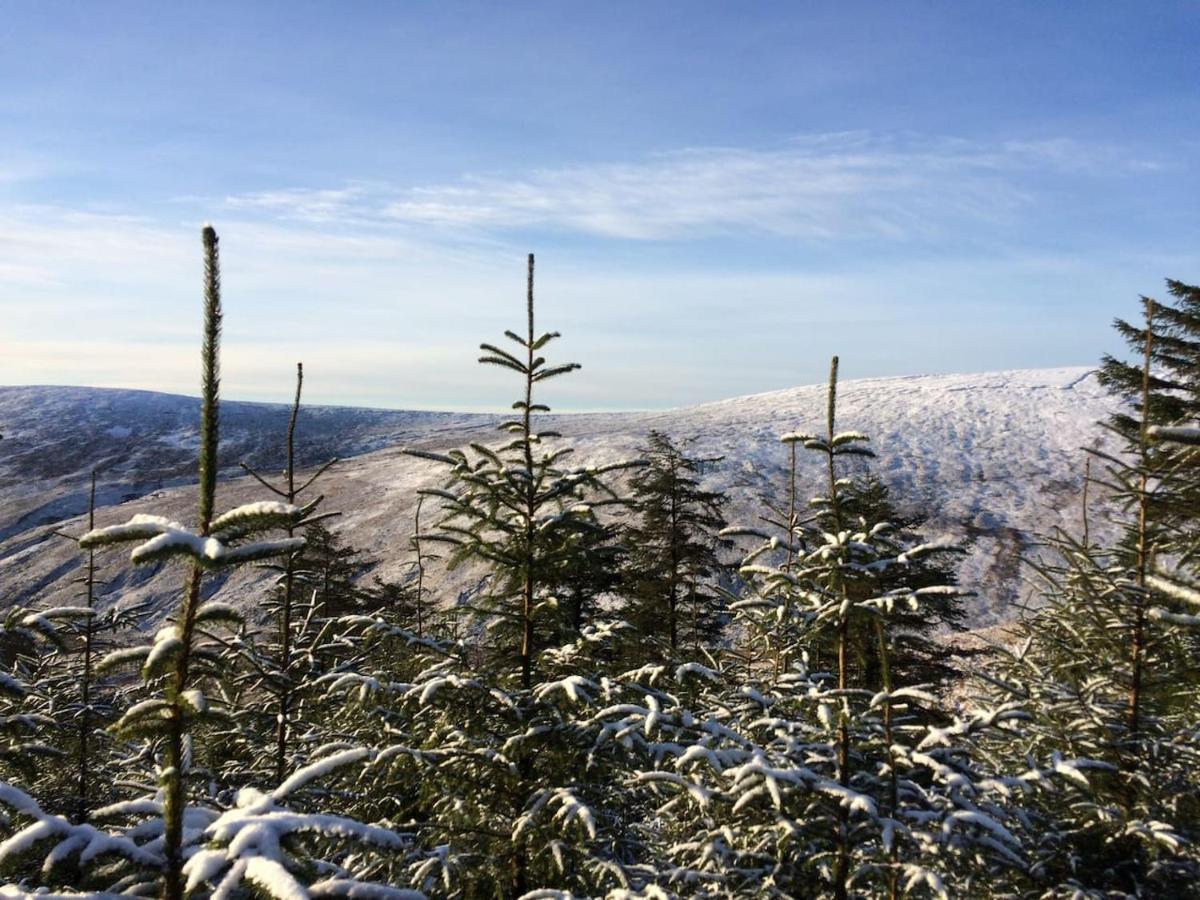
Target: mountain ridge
x=994, y=457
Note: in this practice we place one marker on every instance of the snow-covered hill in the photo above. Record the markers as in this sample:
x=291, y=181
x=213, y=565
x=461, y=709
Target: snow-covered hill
x=993, y=457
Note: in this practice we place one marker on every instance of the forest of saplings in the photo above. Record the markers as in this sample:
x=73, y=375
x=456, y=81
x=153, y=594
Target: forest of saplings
x=643, y=699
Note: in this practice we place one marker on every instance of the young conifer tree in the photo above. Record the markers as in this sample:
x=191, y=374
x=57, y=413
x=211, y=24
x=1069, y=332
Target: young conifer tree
x=156, y=845
x=276, y=663
x=1107, y=667
x=179, y=662
x=27, y=640
x=672, y=550
x=874, y=799
x=922, y=650
x=515, y=507
x=493, y=770
x=84, y=702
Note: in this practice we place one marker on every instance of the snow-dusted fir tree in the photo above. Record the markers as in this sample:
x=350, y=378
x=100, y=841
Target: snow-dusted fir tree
x=922, y=650
x=672, y=543
x=515, y=508
x=796, y=781
x=506, y=792
x=170, y=841
x=1107, y=667
x=281, y=662
x=82, y=701
x=180, y=661
x=27, y=639
x=492, y=768
x=1168, y=397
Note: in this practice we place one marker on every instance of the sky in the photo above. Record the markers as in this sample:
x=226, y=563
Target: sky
x=720, y=196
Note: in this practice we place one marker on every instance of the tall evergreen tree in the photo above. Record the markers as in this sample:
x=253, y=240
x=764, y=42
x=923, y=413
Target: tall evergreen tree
x=1161, y=388
x=500, y=759
x=171, y=841
x=1108, y=669
x=515, y=507
x=181, y=657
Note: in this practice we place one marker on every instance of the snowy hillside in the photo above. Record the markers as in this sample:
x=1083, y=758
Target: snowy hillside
x=993, y=457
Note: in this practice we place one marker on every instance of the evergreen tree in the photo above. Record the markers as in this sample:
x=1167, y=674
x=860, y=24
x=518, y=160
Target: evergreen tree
x=589, y=568
x=1161, y=389
x=157, y=842
x=331, y=573
x=672, y=549
x=515, y=508
x=489, y=766
x=922, y=651
x=1108, y=669
x=26, y=641
x=874, y=797
x=82, y=702
x=274, y=662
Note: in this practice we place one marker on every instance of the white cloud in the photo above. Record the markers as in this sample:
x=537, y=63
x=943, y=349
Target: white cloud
x=385, y=291
x=827, y=187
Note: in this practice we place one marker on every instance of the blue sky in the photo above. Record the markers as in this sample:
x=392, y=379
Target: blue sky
x=720, y=195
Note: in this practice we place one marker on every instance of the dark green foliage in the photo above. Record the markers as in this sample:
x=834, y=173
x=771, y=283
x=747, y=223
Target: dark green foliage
x=1107, y=667
x=590, y=568
x=328, y=573
x=1128, y=822
x=81, y=701
x=1175, y=352
x=672, y=551
x=1167, y=394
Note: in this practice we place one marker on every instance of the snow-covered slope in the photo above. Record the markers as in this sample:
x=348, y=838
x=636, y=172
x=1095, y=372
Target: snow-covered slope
x=994, y=457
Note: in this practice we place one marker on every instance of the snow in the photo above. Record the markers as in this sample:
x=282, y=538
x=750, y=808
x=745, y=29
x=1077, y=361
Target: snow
x=576, y=687
x=166, y=645
x=1178, y=435
x=246, y=843
x=86, y=840
x=357, y=890
x=997, y=455
x=318, y=769
x=273, y=878
x=142, y=525
x=694, y=668
x=1174, y=589
x=261, y=510
x=167, y=537
x=1163, y=615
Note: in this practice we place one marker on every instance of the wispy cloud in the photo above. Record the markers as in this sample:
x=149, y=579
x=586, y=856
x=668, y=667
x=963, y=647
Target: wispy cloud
x=41, y=246
x=827, y=187
x=384, y=289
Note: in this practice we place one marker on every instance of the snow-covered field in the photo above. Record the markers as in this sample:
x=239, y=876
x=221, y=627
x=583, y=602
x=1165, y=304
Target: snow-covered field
x=993, y=457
